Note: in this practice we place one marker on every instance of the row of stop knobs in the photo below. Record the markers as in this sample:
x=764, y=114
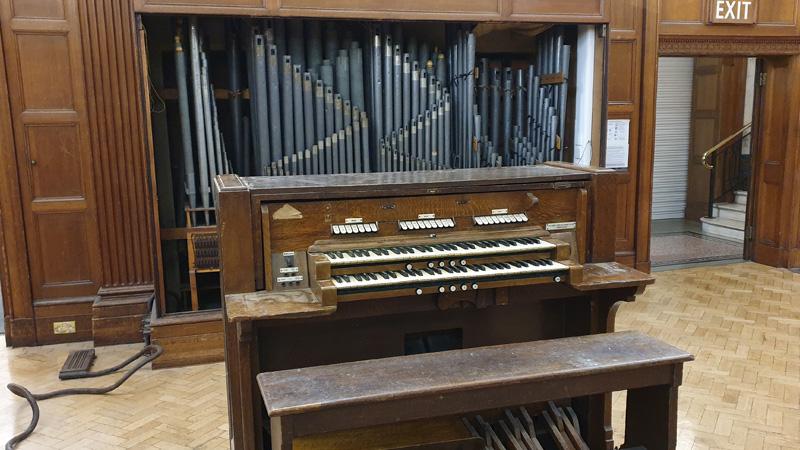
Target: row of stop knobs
x=433, y=264
x=453, y=288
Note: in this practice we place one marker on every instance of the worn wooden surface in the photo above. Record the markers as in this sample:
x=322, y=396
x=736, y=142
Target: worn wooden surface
x=274, y=305
x=611, y=275
x=302, y=390
x=388, y=181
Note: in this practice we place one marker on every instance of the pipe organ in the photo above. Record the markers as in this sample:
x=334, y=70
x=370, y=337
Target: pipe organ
x=291, y=96
x=320, y=270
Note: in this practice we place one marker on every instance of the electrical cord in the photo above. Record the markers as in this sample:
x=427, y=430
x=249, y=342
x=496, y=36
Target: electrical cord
x=150, y=352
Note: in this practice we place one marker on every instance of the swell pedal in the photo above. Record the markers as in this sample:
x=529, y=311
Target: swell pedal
x=77, y=364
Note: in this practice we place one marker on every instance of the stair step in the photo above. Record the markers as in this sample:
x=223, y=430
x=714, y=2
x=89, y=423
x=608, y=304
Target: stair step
x=731, y=229
x=730, y=211
x=741, y=197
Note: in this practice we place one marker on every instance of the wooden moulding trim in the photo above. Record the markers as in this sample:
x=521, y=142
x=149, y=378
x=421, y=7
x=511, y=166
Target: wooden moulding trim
x=727, y=46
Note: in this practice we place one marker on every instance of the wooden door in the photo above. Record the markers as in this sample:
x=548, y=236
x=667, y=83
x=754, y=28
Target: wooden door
x=46, y=89
x=776, y=161
x=718, y=93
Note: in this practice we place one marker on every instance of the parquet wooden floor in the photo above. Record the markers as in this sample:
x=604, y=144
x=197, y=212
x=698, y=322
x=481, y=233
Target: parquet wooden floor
x=743, y=392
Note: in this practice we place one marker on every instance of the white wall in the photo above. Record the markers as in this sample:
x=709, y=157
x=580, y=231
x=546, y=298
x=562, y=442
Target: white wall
x=673, y=126
x=750, y=87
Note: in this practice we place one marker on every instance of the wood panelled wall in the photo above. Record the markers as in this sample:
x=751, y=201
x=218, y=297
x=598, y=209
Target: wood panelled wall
x=115, y=88
x=624, y=78
x=113, y=82
x=75, y=211
x=43, y=65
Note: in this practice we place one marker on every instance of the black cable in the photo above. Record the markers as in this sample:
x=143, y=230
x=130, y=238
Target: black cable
x=151, y=352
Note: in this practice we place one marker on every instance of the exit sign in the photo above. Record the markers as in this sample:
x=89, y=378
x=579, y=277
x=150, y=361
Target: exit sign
x=733, y=11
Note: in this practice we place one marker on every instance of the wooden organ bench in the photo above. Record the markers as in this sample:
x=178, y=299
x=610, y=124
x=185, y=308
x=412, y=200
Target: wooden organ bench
x=327, y=399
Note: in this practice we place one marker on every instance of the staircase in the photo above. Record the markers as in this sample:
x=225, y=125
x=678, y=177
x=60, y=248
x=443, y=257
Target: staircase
x=728, y=219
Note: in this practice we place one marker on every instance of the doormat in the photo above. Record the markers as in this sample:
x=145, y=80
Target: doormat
x=688, y=247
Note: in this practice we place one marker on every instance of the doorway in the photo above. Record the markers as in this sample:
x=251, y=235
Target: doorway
x=702, y=162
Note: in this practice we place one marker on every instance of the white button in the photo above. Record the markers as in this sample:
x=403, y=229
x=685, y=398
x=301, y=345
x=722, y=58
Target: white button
x=419, y=291
x=442, y=289
x=453, y=288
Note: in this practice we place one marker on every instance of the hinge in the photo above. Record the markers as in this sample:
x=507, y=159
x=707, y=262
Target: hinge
x=762, y=79
x=748, y=233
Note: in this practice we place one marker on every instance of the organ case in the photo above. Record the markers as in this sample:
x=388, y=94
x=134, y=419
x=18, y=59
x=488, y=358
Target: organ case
x=441, y=260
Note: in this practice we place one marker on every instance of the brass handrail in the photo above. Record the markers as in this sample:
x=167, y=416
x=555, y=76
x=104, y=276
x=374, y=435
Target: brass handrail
x=721, y=145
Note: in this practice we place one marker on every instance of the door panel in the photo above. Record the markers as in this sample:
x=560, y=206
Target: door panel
x=717, y=111
x=776, y=160
x=57, y=168
x=44, y=68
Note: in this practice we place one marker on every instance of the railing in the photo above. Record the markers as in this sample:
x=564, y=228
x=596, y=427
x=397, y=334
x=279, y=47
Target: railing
x=734, y=171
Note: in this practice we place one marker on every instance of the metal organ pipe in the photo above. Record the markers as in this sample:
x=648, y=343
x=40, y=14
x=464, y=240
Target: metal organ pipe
x=425, y=107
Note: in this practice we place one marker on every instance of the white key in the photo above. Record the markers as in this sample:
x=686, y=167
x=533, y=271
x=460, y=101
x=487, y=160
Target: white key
x=373, y=227
x=336, y=229
x=361, y=228
x=350, y=282
x=460, y=253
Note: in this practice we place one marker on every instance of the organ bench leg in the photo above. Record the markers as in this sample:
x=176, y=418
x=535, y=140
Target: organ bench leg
x=281, y=432
x=651, y=416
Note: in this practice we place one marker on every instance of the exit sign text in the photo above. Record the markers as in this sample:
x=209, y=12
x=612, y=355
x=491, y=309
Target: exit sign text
x=732, y=11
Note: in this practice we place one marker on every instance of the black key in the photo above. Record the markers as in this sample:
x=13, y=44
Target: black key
x=393, y=274
x=405, y=273
x=383, y=275
x=438, y=247
x=549, y=263
x=331, y=255
x=373, y=276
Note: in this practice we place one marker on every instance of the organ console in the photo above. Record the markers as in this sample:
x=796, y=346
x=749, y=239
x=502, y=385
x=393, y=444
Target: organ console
x=319, y=270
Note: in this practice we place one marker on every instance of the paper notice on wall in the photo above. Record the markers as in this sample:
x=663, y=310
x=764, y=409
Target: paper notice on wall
x=618, y=143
